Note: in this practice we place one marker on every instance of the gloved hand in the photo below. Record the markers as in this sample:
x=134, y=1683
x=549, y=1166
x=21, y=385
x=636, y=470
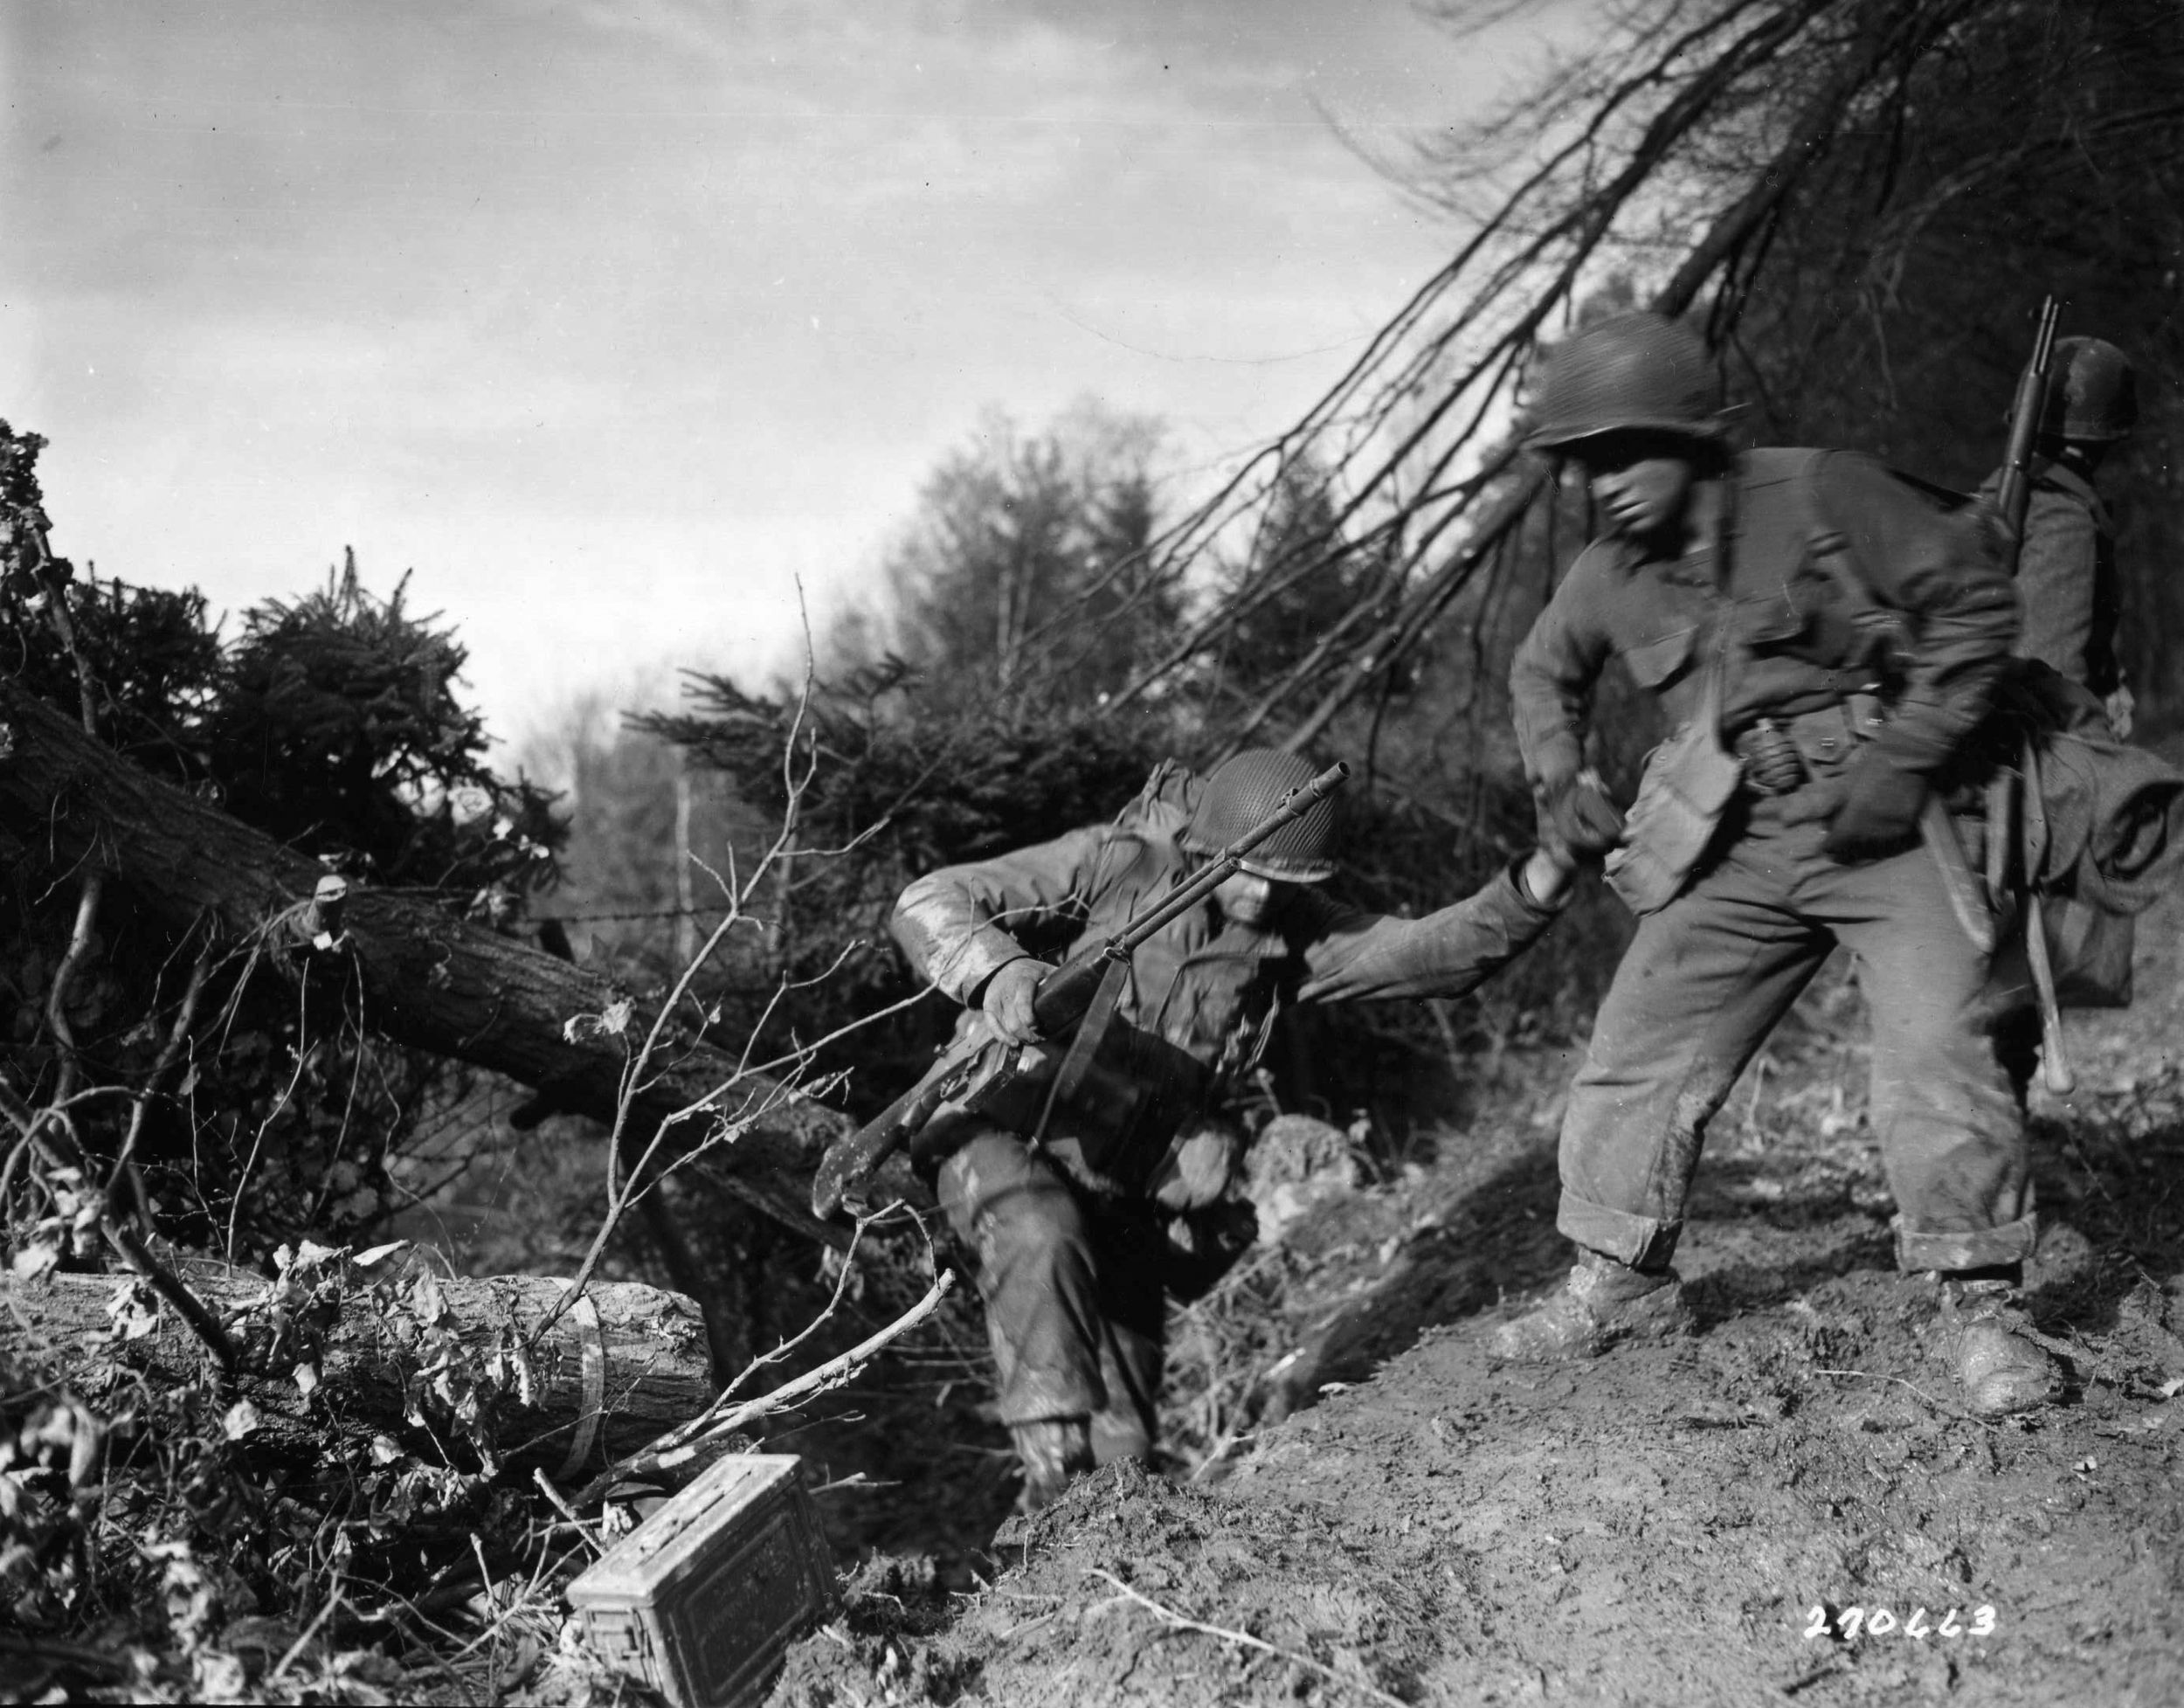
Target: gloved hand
x=1199, y=1168
x=1879, y=814
x=1204, y=1245
x=2121, y=705
x=1577, y=816
x=1007, y=1001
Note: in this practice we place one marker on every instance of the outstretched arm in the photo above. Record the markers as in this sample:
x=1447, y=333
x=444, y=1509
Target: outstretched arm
x=1355, y=955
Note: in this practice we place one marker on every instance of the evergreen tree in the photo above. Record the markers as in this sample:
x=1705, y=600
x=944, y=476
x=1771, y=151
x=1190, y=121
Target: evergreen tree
x=1025, y=574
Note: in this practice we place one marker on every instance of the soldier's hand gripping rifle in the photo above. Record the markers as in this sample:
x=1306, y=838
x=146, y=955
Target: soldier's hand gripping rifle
x=982, y=1073
x=2014, y=500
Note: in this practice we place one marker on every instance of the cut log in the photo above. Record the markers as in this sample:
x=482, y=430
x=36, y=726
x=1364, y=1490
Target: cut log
x=611, y=1376
x=427, y=978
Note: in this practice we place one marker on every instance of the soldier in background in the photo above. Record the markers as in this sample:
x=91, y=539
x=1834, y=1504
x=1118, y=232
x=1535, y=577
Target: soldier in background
x=1075, y=1247
x=2066, y=570
x=1827, y=635
x=2071, y=607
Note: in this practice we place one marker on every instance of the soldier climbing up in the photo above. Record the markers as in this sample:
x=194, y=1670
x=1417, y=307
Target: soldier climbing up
x=1077, y=1242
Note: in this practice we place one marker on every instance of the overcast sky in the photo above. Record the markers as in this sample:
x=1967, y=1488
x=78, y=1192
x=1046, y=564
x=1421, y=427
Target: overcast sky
x=609, y=320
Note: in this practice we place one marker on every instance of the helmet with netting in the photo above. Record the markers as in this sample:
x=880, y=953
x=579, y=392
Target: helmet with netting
x=1244, y=790
x=2092, y=391
x=1636, y=373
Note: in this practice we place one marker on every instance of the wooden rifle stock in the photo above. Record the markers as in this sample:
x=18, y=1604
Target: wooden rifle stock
x=1058, y=1006
x=849, y=1161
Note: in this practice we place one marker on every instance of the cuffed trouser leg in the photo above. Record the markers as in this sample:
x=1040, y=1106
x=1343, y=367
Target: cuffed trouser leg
x=1944, y=1110
x=1701, y=984
x=1036, y=1272
x=1707, y=979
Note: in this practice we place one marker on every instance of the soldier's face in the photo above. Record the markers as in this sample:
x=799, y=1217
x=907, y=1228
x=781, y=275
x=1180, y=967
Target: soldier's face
x=1641, y=482
x=1247, y=899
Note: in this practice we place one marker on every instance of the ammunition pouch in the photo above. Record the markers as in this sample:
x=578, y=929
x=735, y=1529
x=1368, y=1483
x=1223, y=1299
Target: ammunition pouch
x=1689, y=781
x=1781, y=754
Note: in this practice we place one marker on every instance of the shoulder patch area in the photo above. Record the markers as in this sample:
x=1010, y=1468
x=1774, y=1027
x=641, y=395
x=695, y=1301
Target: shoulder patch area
x=1134, y=854
x=1773, y=465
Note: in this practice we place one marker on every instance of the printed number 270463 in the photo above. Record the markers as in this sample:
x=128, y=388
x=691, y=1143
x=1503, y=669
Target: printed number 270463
x=1847, y=1624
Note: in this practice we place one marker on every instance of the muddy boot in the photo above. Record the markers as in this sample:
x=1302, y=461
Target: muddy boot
x=1988, y=1339
x=1052, y=1451
x=1604, y=1302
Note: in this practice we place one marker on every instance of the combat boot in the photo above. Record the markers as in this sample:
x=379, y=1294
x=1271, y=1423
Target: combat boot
x=1603, y=1302
x=1988, y=1338
x=1052, y=1451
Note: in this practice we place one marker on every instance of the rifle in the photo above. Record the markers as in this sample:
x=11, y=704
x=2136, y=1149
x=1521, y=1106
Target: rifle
x=2016, y=497
x=987, y=1076
x=2014, y=500
x=1974, y=907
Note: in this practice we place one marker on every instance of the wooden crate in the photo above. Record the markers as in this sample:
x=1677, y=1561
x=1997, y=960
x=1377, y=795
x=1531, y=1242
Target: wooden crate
x=701, y=1598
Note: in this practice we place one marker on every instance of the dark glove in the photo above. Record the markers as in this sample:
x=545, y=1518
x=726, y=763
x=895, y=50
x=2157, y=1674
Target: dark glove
x=1203, y=1245
x=1879, y=815
x=1577, y=815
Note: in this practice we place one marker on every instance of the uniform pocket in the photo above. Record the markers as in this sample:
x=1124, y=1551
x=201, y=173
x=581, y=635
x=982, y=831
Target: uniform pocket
x=1689, y=780
x=1657, y=663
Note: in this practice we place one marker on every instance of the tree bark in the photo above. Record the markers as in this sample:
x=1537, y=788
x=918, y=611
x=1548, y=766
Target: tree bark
x=648, y=1369
x=423, y=977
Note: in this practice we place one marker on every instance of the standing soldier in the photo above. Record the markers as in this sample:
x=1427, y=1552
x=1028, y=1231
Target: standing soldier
x=2066, y=569
x=2071, y=602
x=1826, y=635
x=1074, y=1261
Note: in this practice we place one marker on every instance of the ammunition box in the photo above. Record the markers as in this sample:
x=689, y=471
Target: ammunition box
x=700, y=1600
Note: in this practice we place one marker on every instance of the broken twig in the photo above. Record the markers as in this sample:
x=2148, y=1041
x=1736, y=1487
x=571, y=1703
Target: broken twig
x=679, y=1446
x=1182, y=1621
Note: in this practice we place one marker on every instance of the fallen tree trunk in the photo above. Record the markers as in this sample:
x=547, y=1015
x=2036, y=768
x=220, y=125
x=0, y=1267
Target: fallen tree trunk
x=611, y=1376
x=424, y=976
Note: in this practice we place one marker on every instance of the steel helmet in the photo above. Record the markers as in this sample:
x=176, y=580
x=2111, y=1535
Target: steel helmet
x=1640, y=372
x=1243, y=790
x=2092, y=391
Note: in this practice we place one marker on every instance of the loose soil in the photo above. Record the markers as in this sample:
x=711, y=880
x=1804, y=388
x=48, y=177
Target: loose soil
x=1689, y=1524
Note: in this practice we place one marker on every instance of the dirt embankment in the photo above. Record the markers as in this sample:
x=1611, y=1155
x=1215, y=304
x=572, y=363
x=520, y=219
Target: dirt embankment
x=1688, y=1524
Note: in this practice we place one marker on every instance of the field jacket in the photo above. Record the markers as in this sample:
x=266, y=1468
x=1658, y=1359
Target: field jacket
x=2066, y=579
x=1796, y=641
x=1206, y=985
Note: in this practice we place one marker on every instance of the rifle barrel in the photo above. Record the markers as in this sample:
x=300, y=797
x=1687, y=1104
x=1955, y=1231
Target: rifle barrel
x=2015, y=498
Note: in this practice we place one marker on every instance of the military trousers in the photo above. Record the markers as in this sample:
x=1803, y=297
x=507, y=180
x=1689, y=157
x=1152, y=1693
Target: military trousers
x=1075, y=1304
x=1705, y=981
